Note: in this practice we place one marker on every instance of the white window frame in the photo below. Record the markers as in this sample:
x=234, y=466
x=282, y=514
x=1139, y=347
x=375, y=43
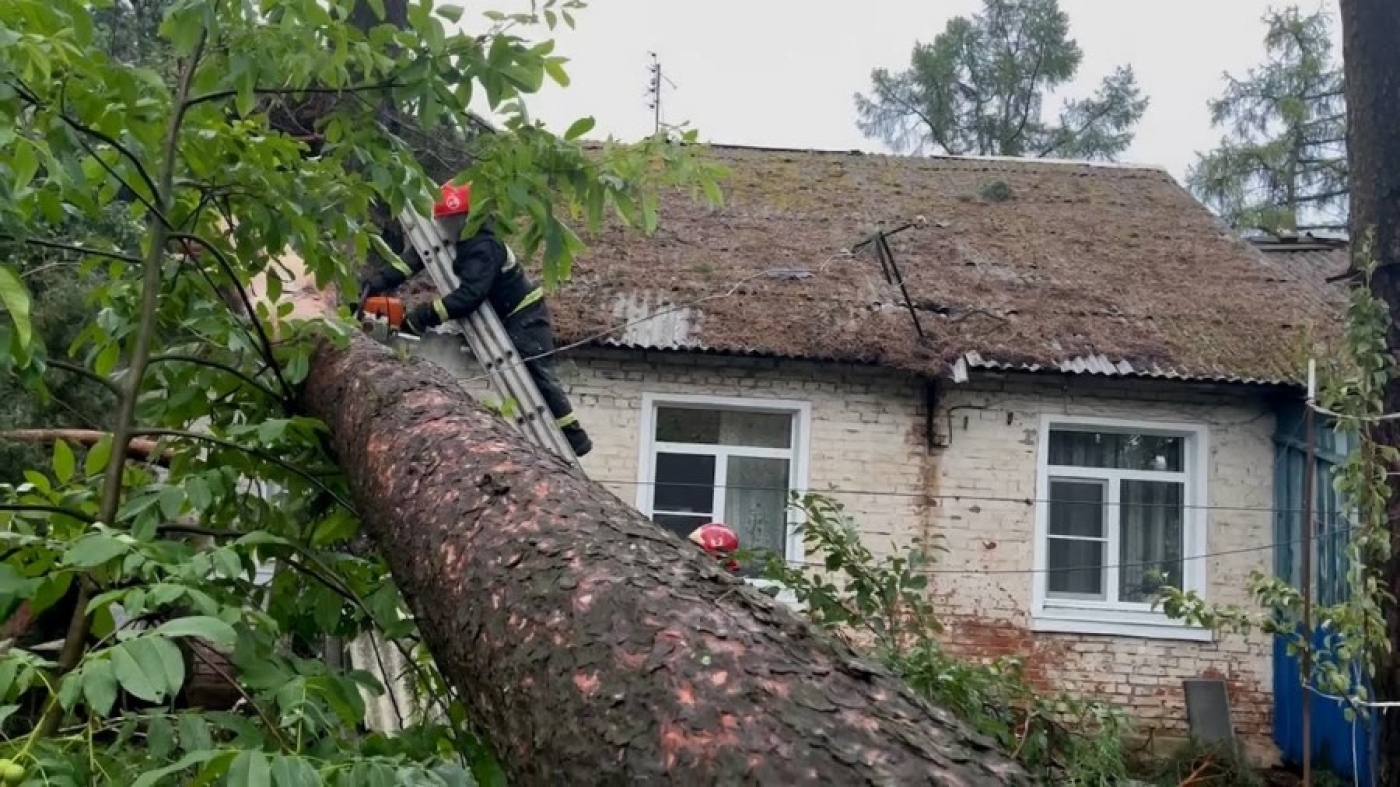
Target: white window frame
x=1128, y=619
x=797, y=454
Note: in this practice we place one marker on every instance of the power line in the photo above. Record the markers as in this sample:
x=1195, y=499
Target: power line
x=1317, y=408
x=973, y=498
x=1104, y=567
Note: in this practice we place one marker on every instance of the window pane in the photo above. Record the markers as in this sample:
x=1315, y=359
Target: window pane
x=1076, y=509
x=1151, y=540
x=1116, y=450
x=684, y=482
x=723, y=427
x=1075, y=569
x=680, y=524
x=755, y=503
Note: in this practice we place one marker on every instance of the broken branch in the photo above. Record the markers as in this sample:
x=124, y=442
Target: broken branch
x=143, y=450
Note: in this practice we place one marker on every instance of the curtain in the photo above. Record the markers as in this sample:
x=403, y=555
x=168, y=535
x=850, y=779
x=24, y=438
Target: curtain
x=755, y=502
x=1150, y=538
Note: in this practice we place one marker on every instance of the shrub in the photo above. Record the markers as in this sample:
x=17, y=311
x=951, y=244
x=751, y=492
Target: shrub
x=881, y=604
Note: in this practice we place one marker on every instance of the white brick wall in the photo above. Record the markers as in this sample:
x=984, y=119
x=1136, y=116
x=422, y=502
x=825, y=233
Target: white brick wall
x=866, y=424
x=992, y=452
x=975, y=492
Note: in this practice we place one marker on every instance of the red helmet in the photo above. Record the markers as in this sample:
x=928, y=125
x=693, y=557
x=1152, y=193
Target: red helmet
x=455, y=200
x=717, y=540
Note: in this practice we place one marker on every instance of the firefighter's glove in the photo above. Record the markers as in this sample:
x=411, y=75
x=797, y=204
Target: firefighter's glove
x=372, y=285
x=419, y=319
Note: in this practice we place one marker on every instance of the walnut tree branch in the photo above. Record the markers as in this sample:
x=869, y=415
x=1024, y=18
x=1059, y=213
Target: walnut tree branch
x=264, y=341
x=76, y=249
x=263, y=455
x=74, y=642
x=196, y=360
x=218, y=95
x=82, y=371
x=23, y=508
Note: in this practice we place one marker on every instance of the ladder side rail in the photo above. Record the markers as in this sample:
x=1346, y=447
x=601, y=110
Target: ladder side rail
x=526, y=413
x=519, y=378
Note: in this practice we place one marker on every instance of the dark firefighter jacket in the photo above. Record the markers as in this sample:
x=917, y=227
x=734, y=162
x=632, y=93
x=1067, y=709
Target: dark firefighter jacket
x=487, y=271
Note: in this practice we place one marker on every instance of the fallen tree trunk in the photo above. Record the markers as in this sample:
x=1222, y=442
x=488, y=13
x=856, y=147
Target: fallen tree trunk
x=592, y=647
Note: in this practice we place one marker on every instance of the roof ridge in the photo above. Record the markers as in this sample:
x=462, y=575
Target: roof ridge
x=944, y=157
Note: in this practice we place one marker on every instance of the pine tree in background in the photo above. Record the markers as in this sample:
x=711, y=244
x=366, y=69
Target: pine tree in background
x=980, y=88
x=1283, y=165
x=130, y=30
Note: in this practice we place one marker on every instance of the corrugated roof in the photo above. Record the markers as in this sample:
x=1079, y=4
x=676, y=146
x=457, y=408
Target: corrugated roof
x=1321, y=263
x=1021, y=264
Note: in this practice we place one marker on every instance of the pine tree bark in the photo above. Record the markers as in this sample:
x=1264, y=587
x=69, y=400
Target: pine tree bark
x=593, y=647
x=1371, y=59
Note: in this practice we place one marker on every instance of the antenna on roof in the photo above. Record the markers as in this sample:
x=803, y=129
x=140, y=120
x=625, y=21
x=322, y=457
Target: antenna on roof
x=885, y=254
x=654, y=91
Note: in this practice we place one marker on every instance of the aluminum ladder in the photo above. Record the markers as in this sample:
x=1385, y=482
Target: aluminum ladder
x=487, y=338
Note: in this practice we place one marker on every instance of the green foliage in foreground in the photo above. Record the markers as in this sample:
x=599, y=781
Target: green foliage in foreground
x=113, y=159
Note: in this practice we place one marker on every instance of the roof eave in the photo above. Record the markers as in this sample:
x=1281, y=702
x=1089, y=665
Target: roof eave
x=964, y=367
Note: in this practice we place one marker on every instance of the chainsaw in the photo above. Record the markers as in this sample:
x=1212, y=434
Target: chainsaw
x=382, y=317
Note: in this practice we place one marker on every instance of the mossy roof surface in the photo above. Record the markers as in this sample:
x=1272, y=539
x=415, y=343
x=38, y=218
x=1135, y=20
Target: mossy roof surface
x=1021, y=264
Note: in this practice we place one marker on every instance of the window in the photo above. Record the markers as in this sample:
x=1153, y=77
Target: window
x=1119, y=513
x=707, y=459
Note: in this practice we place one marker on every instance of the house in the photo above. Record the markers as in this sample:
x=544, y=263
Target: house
x=1075, y=384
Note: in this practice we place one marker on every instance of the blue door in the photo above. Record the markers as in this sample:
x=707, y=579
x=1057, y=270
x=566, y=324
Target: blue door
x=1338, y=745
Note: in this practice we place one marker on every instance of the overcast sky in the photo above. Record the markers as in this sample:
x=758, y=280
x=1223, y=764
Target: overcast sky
x=782, y=73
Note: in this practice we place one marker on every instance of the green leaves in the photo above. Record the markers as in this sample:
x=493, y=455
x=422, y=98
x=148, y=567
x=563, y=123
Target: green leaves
x=149, y=667
x=96, y=460
x=885, y=598
x=99, y=682
x=250, y=768
x=207, y=757
x=83, y=157
x=580, y=127
x=63, y=461
x=15, y=298
x=96, y=549
x=525, y=177
x=210, y=629
x=1283, y=163
x=979, y=89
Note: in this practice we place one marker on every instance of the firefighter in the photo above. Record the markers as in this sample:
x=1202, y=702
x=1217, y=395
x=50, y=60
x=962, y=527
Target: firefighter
x=719, y=541
x=489, y=273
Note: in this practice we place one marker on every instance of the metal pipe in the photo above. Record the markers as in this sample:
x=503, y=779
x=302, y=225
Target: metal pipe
x=1309, y=469
x=884, y=249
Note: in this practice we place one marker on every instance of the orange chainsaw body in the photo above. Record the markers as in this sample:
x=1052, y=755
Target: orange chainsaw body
x=386, y=308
